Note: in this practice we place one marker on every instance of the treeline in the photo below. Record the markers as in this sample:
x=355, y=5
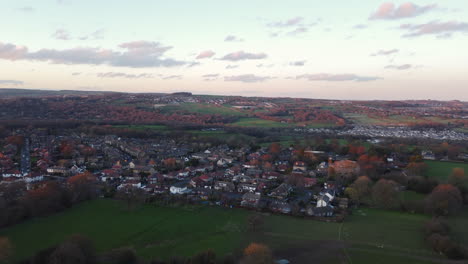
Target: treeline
x=18, y=204
x=78, y=249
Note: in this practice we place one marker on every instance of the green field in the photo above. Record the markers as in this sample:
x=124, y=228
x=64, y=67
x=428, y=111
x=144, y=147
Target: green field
x=142, y=127
x=202, y=109
x=441, y=170
x=458, y=226
x=257, y=122
x=163, y=232
x=411, y=196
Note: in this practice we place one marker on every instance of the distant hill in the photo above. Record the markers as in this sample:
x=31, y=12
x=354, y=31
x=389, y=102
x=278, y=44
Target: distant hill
x=11, y=92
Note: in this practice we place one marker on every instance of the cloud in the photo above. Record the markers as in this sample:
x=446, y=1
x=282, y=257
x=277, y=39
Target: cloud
x=246, y=78
x=205, y=54
x=232, y=38
x=193, y=64
x=124, y=75
x=11, y=82
x=27, y=9
x=287, y=23
x=210, y=77
x=98, y=34
x=172, y=77
x=385, y=52
x=12, y=52
x=229, y=67
x=360, y=26
x=442, y=29
x=61, y=34
x=388, y=11
x=337, y=77
x=298, y=63
x=137, y=54
x=214, y=75
x=297, y=31
x=399, y=67
x=261, y=65
x=241, y=55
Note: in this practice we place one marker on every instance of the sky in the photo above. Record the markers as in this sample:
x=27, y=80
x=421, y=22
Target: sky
x=334, y=49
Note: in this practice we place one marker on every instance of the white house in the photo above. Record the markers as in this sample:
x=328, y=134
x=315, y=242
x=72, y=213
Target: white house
x=179, y=188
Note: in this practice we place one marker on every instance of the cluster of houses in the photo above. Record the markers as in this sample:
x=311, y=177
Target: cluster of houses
x=219, y=175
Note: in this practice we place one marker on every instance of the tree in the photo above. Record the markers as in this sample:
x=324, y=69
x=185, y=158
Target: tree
x=275, y=148
x=255, y=221
x=445, y=199
x=5, y=248
x=362, y=185
x=67, y=252
x=352, y=193
x=131, y=195
x=257, y=254
x=82, y=186
x=384, y=194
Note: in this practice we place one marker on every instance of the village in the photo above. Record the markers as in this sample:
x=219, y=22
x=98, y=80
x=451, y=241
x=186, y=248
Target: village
x=285, y=180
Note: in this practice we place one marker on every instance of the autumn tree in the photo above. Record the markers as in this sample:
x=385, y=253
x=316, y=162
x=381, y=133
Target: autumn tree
x=82, y=186
x=445, y=199
x=5, y=248
x=275, y=148
x=384, y=194
x=257, y=254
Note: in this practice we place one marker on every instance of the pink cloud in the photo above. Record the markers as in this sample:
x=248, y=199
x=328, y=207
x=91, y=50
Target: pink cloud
x=389, y=11
x=241, y=55
x=138, y=54
x=434, y=27
x=12, y=52
x=205, y=54
x=337, y=77
x=246, y=78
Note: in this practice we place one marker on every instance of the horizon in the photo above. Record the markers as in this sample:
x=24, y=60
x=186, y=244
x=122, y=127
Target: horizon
x=232, y=95
x=371, y=50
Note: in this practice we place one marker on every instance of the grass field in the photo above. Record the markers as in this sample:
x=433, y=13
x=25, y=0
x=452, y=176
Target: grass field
x=163, y=232
x=202, y=109
x=441, y=170
x=143, y=127
x=257, y=122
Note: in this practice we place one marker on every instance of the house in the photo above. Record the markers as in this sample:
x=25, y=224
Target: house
x=300, y=165
x=224, y=186
x=344, y=167
x=179, y=188
x=12, y=174
x=320, y=211
x=58, y=170
x=280, y=207
x=271, y=175
x=201, y=181
x=281, y=191
x=131, y=183
x=428, y=155
x=325, y=198
x=309, y=182
x=34, y=177
x=251, y=200
x=246, y=187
